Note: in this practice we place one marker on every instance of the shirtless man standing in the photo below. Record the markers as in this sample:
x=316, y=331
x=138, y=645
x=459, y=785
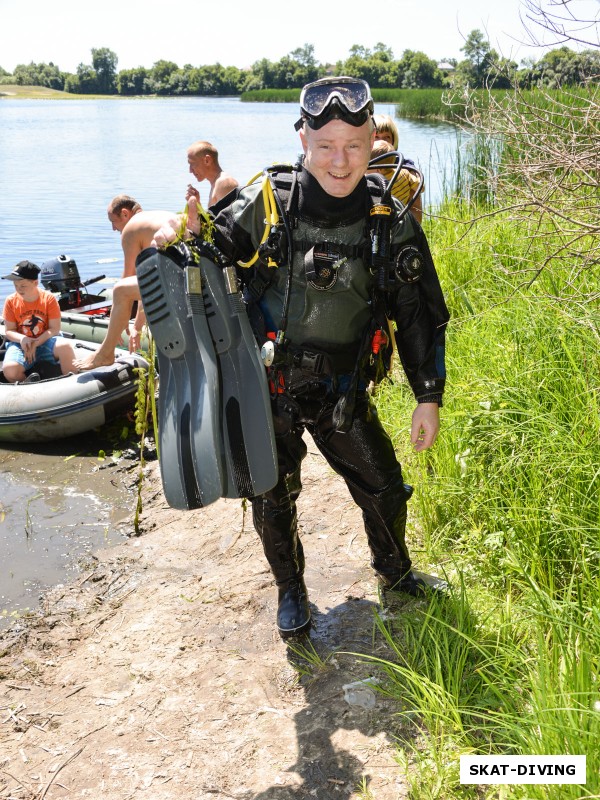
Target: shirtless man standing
x=137, y=228
x=203, y=159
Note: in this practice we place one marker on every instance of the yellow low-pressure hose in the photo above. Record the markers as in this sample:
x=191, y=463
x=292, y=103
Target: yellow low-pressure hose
x=271, y=219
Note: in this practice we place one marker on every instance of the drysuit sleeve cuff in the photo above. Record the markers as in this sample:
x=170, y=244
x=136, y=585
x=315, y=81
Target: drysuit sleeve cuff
x=431, y=398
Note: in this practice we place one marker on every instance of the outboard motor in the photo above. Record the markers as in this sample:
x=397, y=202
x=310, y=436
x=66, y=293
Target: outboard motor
x=60, y=275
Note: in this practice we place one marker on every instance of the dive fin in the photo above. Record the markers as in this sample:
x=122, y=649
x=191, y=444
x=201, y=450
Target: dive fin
x=189, y=404
x=246, y=417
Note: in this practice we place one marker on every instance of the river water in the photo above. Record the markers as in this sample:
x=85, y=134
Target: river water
x=61, y=161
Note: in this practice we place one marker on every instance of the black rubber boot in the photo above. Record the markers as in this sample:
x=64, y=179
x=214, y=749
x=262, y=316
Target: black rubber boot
x=275, y=520
x=293, y=613
x=415, y=584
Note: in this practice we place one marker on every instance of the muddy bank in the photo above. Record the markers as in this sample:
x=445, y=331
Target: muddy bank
x=159, y=672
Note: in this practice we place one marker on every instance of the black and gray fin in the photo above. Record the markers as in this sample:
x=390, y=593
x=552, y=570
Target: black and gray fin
x=189, y=403
x=247, y=422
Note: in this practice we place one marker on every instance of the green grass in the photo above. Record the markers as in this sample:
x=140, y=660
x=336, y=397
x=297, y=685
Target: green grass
x=415, y=103
x=444, y=103
x=508, y=500
x=14, y=91
x=271, y=96
x=422, y=103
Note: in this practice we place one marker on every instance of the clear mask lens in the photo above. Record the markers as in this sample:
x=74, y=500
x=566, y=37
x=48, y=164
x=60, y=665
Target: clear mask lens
x=352, y=95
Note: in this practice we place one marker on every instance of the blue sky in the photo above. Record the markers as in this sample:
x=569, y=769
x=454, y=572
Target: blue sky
x=236, y=32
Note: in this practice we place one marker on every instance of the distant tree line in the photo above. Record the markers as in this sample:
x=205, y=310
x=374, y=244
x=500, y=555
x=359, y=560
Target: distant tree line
x=481, y=67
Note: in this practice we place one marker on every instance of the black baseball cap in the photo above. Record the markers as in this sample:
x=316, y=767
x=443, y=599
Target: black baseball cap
x=24, y=271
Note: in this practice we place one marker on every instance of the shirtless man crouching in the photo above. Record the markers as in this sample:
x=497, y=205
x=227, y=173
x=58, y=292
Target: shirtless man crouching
x=137, y=228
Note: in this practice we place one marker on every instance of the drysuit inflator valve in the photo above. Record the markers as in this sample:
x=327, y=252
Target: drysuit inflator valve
x=409, y=264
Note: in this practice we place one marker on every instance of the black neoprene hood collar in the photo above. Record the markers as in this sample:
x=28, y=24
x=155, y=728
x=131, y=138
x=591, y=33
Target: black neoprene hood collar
x=316, y=204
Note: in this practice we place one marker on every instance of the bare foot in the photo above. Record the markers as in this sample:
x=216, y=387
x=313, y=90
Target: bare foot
x=96, y=359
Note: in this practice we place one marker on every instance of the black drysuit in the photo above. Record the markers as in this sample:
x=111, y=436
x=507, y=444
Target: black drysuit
x=331, y=322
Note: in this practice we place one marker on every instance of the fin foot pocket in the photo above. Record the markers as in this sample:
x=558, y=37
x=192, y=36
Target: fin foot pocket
x=162, y=288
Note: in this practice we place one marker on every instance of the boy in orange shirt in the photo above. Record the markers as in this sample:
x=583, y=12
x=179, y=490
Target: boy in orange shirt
x=32, y=327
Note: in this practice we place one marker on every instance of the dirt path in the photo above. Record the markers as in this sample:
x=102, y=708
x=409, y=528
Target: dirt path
x=159, y=674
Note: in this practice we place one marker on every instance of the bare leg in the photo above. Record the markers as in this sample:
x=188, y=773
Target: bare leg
x=63, y=351
x=125, y=292
x=14, y=372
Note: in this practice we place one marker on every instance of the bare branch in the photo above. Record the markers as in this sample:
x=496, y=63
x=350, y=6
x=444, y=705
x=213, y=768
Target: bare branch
x=561, y=19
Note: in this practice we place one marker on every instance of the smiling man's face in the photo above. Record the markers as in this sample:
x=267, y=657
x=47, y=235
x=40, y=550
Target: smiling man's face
x=337, y=154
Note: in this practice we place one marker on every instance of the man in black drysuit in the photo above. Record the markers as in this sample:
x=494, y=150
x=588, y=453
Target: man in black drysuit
x=318, y=323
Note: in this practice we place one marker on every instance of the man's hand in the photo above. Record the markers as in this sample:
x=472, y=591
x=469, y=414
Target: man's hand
x=192, y=192
x=425, y=425
x=135, y=330
x=170, y=232
x=134, y=339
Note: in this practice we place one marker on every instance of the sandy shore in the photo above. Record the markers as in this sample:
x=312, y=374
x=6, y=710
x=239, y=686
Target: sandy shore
x=159, y=673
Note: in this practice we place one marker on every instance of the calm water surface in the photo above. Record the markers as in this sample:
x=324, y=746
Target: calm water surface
x=60, y=164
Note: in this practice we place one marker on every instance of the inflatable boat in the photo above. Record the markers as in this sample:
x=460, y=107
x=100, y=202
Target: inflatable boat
x=57, y=406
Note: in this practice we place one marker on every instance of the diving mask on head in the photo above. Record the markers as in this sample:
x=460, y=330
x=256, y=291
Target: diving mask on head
x=348, y=99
